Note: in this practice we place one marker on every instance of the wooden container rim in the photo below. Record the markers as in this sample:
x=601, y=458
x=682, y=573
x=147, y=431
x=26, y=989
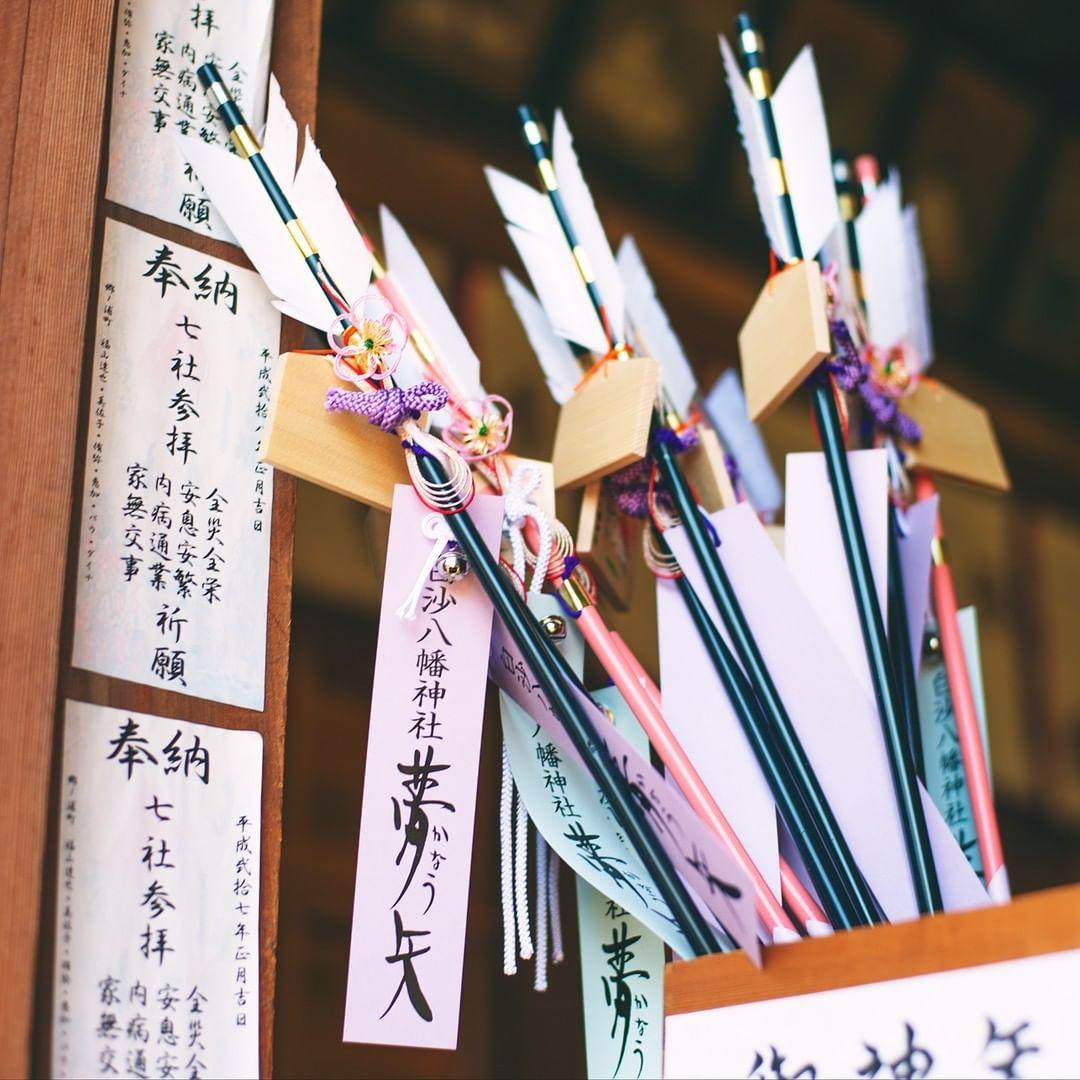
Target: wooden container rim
x=1032, y=925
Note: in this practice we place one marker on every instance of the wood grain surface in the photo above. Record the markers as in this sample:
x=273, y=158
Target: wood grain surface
x=1034, y=924
x=54, y=93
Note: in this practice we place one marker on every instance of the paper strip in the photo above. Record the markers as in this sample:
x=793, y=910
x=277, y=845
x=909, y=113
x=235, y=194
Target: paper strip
x=945, y=778
x=564, y=804
x=416, y=822
x=835, y=718
x=175, y=540
x=726, y=406
x=708, y=870
x=812, y=541
x=701, y=717
x=969, y=634
x=157, y=918
x=156, y=97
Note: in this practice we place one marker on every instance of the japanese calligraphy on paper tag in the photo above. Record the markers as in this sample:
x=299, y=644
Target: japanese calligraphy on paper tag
x=416, y=822
x=567, y=809
x=175, y=540
x=622, y=963
x=945, y=779
x=706, y=867
x=157, y=920
x=565, y=806
x=160, y=44
x=997, y=1020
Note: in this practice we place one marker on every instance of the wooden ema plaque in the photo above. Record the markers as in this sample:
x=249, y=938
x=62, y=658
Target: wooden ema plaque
x=605, y=425
x=606, y=543
x=707, y=472
x=957, y=437
x=339, y=451
x=785, y=336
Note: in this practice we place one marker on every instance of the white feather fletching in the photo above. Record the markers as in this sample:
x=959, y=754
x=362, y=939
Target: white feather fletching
x=879, y=231
x=837, y=251
x=279, y=136
x=428, y=309
x=752, y=132
x=801, y=127
x=331, y=226
x=535, y=231
x=240, y=199
x=922, y=338
x=652, y=330
x=582, y=211
x=561, y=368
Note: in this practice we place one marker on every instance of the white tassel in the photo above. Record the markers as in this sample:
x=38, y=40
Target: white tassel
x=517, y=508
x=506, y=865
x=521, y=878
x=540, y=981
x=554, y=863
x=435, y=529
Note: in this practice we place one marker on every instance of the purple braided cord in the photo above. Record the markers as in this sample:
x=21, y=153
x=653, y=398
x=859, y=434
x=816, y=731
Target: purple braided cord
x=731, y=466
x=852, y=374
x=391, y=406
x=630, y=485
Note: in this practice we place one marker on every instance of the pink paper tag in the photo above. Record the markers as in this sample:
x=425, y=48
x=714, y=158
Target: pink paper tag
x=919, y=521
x=416, y=823
x=711, y=874
x=812, y=539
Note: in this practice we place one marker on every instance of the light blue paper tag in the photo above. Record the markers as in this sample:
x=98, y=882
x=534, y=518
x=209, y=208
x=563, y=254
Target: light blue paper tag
x=622, y=964
x=945, y=779
x=565, y=805
x=726, y=408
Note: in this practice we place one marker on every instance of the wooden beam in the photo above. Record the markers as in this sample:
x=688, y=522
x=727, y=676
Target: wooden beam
x=53, y=120
x=53, y=98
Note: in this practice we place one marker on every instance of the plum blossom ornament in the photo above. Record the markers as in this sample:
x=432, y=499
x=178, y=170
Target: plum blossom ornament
x=367, y=340
x=480, y=427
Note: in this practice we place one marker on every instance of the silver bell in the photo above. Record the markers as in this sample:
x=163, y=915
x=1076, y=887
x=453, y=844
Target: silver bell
x=451, y=567
x=554, y=626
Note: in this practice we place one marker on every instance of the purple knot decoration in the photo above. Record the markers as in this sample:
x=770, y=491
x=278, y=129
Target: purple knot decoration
x=846, y=366
x=391, y=406
x=854, y=374
x=630, y=485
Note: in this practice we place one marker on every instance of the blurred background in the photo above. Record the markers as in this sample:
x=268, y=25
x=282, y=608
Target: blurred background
x=976, y=102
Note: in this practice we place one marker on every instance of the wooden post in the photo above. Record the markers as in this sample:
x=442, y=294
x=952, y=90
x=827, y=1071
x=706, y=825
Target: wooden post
x=54, y=92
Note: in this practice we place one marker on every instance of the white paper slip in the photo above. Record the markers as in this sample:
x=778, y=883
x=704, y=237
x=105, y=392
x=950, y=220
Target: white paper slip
x=160, y=44
x=1014, y=1018
x=174, y=552
x=157, y=915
